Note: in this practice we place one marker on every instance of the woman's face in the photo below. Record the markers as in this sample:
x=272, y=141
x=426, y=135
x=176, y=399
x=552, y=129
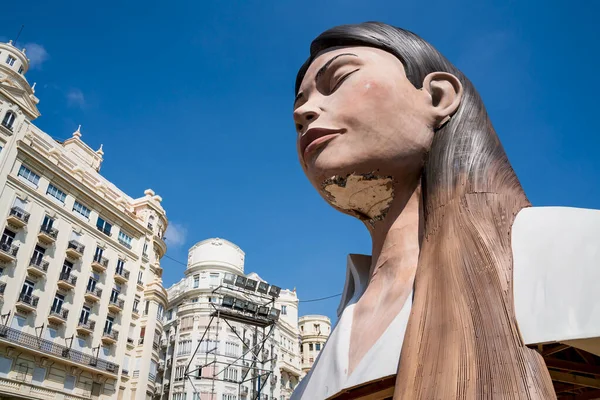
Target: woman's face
x=357, y=113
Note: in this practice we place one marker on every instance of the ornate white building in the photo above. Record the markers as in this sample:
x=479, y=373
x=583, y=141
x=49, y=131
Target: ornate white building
x=188, y=317
x=80, y=276
x=314, y=331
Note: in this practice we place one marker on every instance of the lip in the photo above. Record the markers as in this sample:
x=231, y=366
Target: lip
x=315, y=137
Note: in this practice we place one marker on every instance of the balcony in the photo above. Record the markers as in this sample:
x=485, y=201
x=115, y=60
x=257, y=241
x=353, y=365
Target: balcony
x=48, y=347
x=93, y=295
x=116, y=305
x=161, y=365
x=110, y=337
x=135, y=313
x=99, y=264
x=121, y=276
x=75, y=250
x=130, y=343
x=2, y=288
x=27, y=303
x=8, y=253
x=47, y=235
x=38, y=267
x=86, y=328
x=58, y=317
x=66, y=281
x=17, y=217
x=161, y=245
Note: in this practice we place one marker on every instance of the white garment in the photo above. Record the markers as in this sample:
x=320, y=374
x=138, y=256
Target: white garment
x=551, y=245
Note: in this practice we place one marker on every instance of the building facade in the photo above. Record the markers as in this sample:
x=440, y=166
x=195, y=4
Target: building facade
x=80, y=276
x=314, y=331
x=224, y=344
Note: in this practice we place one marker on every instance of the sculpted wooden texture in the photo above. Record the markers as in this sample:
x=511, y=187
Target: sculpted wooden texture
x=462, y=341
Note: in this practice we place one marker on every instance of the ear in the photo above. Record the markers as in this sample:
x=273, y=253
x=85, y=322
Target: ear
x=446, y=92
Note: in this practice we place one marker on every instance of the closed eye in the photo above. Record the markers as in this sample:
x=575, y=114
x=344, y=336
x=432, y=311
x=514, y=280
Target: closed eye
x=341, y=80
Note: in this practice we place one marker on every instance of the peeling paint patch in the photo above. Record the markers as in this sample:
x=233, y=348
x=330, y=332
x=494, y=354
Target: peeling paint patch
x=366, y=196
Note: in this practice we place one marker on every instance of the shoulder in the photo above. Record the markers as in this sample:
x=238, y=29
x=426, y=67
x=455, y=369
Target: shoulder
x=556, y=260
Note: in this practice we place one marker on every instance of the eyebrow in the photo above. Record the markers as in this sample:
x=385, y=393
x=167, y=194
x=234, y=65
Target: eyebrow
x=322, y=70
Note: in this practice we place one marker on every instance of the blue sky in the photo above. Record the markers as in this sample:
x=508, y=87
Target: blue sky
x=193, y=99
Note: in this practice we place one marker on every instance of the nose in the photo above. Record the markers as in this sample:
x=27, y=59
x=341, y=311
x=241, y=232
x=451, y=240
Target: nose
x=304, y=115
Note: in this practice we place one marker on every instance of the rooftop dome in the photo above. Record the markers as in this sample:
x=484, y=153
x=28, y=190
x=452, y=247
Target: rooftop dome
x=216, y=252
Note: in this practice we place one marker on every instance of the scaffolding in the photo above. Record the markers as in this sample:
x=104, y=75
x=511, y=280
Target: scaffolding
x=256, y=316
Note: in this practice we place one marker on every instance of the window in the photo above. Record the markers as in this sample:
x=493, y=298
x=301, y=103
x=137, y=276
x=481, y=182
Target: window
x=7, y=238
x=145, y=250
x=184, y=347
x=91, y=284
x=59, y=299
x=310, y=347
x=159, y=312
x=8, y=120
x=103, y=226
x=120, y=266
x=108, y=324
x=318, y=346
x=125, y=239
x=136, y=304
x=81, y=209
x=114, y=295
x=196, y=281
x=311, y=360
x=38, y=255
x=147, y=307
x=284, y=310
x=29, y=175
x=179, y=371
x=195, y=300
x=26, y=291
x=170, y=315
x=214, y=279
x=21, y=69
x=85, y=314
x=10, y=60
x=56, y=193
x=187, y=323
x=47, y=223
x=140, y=277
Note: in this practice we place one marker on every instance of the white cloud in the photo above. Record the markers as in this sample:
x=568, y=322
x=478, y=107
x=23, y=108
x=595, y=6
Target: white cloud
x=37, y=55
x=75, y=98
x=176, y=234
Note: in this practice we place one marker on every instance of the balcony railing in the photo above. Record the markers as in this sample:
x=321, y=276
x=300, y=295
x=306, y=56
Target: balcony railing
x=116, y=302
x=62, y=313
x=66, y=277
x=101, y=260
x=49, y=347
x=51, y=232
x=75, y=245
x=112, y=334
x=122, y=273
x=2, y=287
x=89, y=325
x=94, y=292
x=9, y=249
x=29, y=299
x=39, y=264
x=19, y=213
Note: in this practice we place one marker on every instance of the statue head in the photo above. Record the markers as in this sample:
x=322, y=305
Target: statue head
x=379, y=111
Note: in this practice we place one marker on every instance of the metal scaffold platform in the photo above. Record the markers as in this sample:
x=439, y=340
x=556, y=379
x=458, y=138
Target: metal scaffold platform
x=247, y=307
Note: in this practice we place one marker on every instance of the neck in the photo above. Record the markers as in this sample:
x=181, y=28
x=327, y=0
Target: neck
x=396, y=239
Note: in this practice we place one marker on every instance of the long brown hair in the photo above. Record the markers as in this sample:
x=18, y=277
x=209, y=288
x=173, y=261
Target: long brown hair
x=462, y=340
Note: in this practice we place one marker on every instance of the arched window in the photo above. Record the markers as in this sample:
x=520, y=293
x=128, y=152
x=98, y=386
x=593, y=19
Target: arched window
x=9, y=119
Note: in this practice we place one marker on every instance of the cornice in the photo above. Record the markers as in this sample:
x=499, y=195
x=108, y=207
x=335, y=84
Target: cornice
x=78, y=187
x=16, y=184
x=24, y=102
